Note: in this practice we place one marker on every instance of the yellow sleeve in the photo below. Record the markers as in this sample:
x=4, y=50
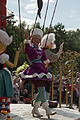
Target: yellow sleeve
x=11, y=65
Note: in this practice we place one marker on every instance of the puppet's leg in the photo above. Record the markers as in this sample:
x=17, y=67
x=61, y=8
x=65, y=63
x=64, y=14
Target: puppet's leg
x=3, y=111
x=8, y=109
x=48, y=110
x=37, y=103
x=44, y=102
x=35, y=110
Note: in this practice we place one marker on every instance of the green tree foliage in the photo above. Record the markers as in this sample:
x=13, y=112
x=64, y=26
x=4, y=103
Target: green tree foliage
x=60, y=35
x=73, y=40
x=17, y=42
x=37, y=25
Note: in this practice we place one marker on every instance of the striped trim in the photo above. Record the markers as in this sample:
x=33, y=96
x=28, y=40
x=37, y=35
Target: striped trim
x=36, y=75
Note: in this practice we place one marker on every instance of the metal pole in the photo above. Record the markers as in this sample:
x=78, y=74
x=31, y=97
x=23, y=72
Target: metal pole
x=52, y=86
x=72, y=87
x=32, y=93
x=66, y=97
x=60, y=85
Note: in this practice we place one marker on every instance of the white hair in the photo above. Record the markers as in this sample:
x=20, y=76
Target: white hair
x=4, y=38
x=47, y=39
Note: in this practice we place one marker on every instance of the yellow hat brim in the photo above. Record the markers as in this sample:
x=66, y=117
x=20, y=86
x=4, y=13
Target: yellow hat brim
x=2, y=48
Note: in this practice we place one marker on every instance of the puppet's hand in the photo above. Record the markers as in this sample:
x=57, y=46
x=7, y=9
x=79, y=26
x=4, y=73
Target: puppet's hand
x=46, y=66
x=61, y=48
x=19, y=50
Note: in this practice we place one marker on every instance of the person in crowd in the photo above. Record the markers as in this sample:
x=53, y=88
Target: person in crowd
x=26, y=97
x=37, y=72
x=16, y=91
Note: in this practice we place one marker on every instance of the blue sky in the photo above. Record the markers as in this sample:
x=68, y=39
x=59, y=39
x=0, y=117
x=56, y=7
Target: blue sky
x=67, y=12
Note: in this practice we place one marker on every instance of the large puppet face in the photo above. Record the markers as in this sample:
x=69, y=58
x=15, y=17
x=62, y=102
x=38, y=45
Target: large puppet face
x=2, y=48
x=36, y=39
x=51, y=45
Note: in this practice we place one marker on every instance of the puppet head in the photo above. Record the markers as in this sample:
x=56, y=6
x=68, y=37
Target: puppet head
x=47, y=40
x=5, y=40
x=36, y=36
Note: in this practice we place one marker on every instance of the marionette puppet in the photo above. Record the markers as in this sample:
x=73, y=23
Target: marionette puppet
x=6, y=87
x=3, y=27
x=36, y=72
x=47, y=43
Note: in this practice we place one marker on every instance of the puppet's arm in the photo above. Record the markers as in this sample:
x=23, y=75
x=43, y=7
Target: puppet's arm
x=11, y=65
x=60, y=50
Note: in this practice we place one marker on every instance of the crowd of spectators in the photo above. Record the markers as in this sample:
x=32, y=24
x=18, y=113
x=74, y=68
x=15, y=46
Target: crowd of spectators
x=25, y=95
x=20, y=95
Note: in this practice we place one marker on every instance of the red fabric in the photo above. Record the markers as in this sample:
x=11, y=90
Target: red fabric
x=3, y=109
x=5, y=99
x=27, y=99
x=2, y=98
x=2, y=13
x=8, y=110
x=69, y=87
x=8, y=116
x=8, y=103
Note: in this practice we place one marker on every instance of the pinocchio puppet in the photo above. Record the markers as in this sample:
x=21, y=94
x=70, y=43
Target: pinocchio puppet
x=6, y=87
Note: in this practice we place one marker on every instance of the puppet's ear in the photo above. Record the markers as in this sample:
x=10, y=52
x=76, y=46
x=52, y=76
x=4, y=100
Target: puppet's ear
x=40, y=5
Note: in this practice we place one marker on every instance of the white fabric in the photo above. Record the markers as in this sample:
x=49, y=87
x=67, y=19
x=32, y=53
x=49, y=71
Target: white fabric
x=48, y=95
x=48, y=110
x=47, y=61
x=36, y=31
x=3, y=58
x=27, y=41
x=4, y=38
